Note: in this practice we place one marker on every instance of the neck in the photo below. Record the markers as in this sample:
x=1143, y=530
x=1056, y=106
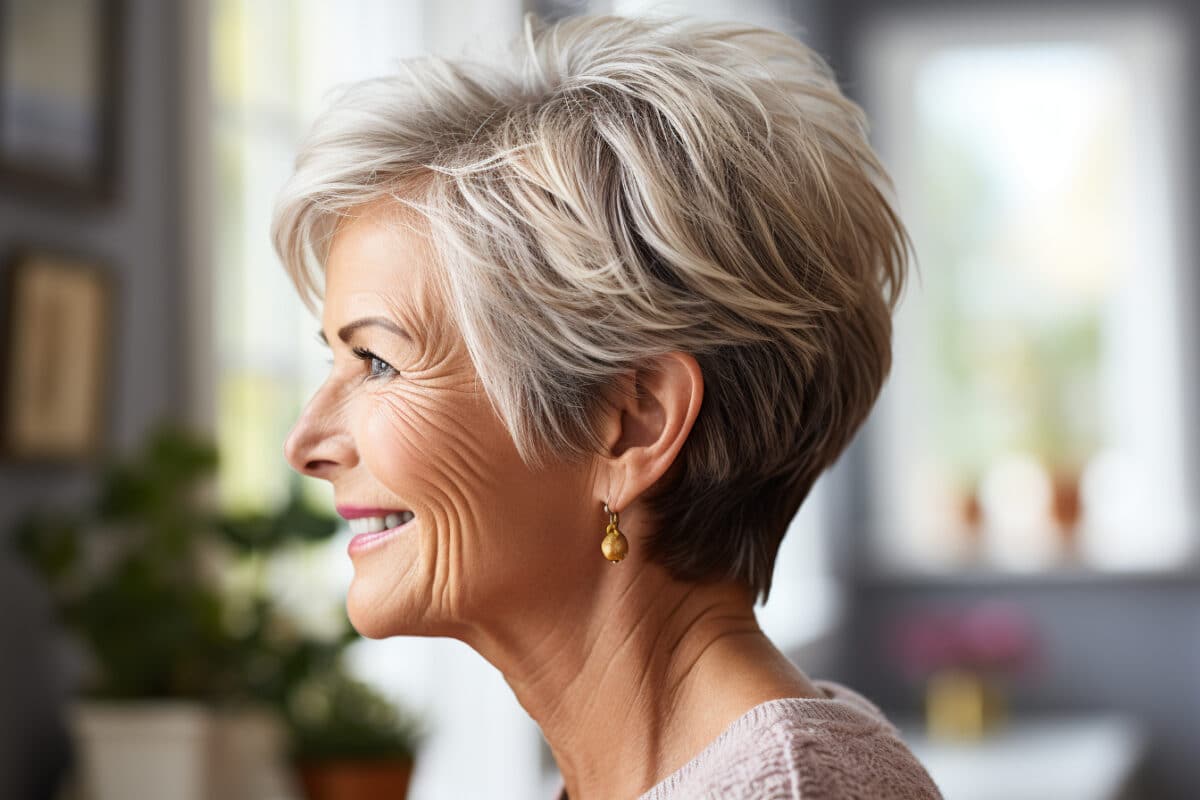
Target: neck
x=630, y=680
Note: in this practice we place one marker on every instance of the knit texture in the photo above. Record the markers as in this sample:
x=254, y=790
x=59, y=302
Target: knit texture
x=796, y=748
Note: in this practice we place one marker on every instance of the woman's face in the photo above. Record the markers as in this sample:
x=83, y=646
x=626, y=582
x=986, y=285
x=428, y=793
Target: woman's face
x=402, y=426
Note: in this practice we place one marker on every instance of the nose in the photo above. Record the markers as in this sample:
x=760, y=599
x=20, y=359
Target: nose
x=319, y=444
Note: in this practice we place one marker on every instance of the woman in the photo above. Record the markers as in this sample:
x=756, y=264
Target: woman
x=600, y=315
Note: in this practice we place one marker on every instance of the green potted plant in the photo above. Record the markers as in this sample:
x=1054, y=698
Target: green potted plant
x=131, y=578
x=182, y=670
x=348, y=741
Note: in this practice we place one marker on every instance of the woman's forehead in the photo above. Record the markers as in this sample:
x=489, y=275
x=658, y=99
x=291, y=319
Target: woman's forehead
x=378, y=253
x=381, y=264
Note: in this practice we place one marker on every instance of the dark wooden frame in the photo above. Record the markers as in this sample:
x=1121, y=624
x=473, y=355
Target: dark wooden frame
x=98, y=186
x=19, y=267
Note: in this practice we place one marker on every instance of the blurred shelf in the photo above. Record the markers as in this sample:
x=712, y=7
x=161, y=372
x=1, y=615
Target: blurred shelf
x=1086, y=757
x=1187, y=574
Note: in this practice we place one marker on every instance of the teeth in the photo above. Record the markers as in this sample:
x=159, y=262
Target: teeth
x=376, y=524
x=366, y=525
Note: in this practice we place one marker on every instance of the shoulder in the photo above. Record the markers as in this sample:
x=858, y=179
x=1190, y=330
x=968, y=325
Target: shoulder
x=804, y=748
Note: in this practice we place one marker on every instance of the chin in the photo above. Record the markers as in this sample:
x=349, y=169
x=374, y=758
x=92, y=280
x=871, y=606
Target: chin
x=368, y=621
x=389, y=603
x=374, y=609
x=385, y=594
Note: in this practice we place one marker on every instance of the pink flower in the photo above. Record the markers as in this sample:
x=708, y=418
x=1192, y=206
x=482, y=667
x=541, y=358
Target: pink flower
x=995, y=637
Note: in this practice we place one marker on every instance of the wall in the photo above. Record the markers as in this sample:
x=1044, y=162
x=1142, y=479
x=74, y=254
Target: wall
x=138, y=237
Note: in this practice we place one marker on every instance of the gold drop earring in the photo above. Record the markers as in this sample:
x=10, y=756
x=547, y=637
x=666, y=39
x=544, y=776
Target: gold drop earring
x=615, y=546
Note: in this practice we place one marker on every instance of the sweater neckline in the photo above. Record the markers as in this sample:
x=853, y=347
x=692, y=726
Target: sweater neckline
x=839, y=704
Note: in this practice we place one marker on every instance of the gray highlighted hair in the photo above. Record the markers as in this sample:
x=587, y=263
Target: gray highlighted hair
x=614, y=189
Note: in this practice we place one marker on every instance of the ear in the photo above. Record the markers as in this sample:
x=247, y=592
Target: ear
x=647, y=420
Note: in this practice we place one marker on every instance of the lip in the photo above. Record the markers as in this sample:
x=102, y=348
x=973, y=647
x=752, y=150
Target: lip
x=358, y=512
x=363, y=542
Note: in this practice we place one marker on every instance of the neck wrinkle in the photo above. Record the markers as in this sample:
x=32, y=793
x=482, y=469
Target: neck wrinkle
x=606, y=677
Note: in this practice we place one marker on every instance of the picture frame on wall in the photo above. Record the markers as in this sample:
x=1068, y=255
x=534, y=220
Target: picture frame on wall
x=59, y=98
x=58, y=330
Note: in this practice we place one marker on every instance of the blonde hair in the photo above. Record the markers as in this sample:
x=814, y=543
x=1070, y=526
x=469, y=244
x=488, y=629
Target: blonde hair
x=621, y=188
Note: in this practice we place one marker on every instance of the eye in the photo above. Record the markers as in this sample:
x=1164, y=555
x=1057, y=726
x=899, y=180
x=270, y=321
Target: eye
x=378, y=368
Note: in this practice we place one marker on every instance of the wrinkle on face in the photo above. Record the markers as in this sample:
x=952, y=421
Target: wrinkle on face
x=419, y=423
x=490, y=531
x=435, y=354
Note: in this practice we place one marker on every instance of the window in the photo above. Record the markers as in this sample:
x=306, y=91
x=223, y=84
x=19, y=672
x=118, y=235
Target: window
x=1034, y=418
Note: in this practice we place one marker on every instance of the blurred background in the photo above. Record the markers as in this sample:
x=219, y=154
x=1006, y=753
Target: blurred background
x=1007, y=559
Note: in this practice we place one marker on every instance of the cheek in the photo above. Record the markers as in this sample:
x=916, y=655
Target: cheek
x=496, y=536
x=436, y=448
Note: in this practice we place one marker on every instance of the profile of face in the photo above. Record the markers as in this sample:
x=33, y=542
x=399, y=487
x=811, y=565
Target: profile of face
x=401, y=426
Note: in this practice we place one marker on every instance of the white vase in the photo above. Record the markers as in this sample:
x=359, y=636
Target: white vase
x=248, y=754
x=178, y=751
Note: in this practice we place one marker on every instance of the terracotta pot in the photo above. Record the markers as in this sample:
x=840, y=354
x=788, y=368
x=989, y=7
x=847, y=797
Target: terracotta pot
x=386, y=779
x=1067, y=506
x=971, y=514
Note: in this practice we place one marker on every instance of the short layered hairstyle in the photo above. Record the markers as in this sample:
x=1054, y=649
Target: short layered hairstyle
x=613, y=189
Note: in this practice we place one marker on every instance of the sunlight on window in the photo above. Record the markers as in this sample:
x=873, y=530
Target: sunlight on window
x=1021, y=261
x=1032, y=175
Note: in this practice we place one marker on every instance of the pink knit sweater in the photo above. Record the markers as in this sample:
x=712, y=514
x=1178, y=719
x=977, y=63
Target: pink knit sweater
x=796, y=748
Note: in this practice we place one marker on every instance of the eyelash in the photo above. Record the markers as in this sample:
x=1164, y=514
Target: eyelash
x=386, y=370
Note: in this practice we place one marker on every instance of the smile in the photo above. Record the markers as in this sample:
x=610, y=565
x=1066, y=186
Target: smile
x=379, y=524
x=372, y=527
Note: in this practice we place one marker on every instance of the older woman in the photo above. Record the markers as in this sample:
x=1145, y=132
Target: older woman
x=599, y=318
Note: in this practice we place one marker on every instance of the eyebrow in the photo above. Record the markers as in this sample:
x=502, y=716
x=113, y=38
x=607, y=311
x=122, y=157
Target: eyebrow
x=346, y=331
